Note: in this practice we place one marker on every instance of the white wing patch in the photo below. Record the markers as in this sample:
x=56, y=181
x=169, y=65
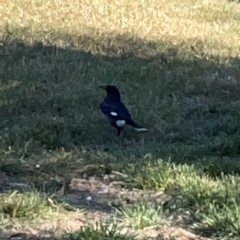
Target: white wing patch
x=114, y=114
x=120, y=123
x=141, y=129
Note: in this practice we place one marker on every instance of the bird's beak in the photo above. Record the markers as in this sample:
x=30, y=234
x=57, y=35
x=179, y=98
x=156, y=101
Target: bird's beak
x=103, y=87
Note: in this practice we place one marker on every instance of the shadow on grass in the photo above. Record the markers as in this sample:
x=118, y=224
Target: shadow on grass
x=188, y=99
x=50, y=97
x=49, y=100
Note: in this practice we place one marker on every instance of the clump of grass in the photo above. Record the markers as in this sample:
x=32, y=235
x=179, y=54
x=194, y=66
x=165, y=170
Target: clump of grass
x=212, y=201
x=26, y=206
x=99, y=232
x=157, y=174
x=217, y=219
x=141, y=216
x=218, y=207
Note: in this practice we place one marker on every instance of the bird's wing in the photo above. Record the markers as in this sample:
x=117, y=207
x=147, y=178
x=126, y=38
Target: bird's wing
x=116, y=111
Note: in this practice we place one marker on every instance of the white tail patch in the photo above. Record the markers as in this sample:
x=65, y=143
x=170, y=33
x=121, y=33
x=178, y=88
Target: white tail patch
x=120, y=123
x=114, y=114
x=141, y=129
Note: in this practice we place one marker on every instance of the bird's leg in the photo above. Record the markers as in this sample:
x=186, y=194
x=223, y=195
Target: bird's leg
x=119, y=131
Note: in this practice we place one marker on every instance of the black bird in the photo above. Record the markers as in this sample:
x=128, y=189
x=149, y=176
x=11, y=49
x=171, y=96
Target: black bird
x=116, y=112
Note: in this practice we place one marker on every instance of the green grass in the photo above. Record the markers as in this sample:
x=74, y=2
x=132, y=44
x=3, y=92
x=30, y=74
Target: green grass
x=100, y=232
x=176, y=64
x=26, y=207
x=142, y=216
x=212, y=203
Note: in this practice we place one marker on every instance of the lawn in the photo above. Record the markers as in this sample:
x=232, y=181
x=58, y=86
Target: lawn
x=62, y=167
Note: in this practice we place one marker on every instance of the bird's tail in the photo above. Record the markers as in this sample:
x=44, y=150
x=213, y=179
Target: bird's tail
x=136, y=126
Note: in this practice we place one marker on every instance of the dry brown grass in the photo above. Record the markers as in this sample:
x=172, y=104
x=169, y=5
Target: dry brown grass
x=216, y=23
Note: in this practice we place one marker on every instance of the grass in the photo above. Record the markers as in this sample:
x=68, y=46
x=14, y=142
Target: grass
x=176, y=64
x=24, y=207
x=102, y=232
x=141, y=217
x=17, y=205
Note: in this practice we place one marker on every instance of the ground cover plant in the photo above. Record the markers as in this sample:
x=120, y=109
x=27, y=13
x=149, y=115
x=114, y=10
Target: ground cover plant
x=64, y=171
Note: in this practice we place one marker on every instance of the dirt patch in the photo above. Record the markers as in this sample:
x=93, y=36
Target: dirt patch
x=180, y=234
x=97, y=197
x=106, y=194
